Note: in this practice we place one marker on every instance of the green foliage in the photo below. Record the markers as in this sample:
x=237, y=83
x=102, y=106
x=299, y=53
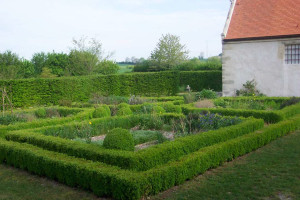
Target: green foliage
x=11, y=119
x=107, y=67
x=169, y=52
x=124, y=111
x=292, y=101
x=212, y=63
x=29, y=92
x=102, y=111
x=249, y=89
x=40, y=113
x=119, y=139
x=158, y=110
x=39, y=61
x=46, y=73
x=200, y=80
x=143, y=136
x=220, y=103
x=171, y=108
x=206, y=94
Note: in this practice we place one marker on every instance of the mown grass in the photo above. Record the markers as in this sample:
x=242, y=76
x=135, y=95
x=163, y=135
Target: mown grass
x=124, y=68
x=272, y=172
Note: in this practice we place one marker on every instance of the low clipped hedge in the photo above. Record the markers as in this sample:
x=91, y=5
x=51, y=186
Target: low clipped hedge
x=120, y=139
x=141, y=160
x=175, y=173
x=102, y=179
x=268, y=116
x=82, y=115
x=106, y=180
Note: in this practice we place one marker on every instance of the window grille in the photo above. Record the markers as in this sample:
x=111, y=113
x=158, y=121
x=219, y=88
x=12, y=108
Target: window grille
x=292, y=54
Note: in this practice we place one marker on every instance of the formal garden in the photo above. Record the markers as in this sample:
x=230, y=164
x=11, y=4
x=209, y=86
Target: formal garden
x=134, y=135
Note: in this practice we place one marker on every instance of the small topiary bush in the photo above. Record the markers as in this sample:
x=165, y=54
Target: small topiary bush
x=40, y=113
x=206, y=94
x=123, y=109
x=102, y=111
x=120, y=139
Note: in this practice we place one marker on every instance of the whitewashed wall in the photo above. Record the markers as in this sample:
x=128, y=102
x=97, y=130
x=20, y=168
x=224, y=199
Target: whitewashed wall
x=263, y=61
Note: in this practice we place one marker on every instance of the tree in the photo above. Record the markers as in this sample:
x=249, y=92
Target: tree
x=27, y=69
x=85, y=56
x=46, y=73
x=82, y=63
x=57, y=63
x=107, y=67
x=10, y=66
x=169, y=52
x=39, y=61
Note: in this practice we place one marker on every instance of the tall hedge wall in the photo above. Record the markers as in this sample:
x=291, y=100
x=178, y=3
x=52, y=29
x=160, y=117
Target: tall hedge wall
x=199, y=80
x=27, y=92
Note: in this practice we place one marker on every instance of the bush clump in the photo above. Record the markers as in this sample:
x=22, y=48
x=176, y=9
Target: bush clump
x=171, y=108
x=102, y=111
x=206, y=94
x=120, y=139
x=40, y=113
x=158, y=110
x=123, y=109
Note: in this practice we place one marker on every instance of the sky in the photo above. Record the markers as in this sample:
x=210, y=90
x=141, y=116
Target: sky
x=126, y=27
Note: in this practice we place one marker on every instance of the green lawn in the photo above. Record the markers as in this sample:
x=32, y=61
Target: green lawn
x=124, y=68
x=272, y=172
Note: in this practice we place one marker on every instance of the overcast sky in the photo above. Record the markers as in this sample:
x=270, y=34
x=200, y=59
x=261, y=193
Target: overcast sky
x=127, y=27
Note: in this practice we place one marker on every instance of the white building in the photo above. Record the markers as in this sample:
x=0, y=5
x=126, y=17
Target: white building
x=261, y=41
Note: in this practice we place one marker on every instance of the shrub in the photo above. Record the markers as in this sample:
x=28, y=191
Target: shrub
x=119, y=139
x=292, y=101
x=40, y=113
x=52, y=113
x=249, y=89
x=109, y=100
x=171, y=108
x=11, y=119
x=158, y=110
x=65, y=103
x=123, y=109
x=189, y=98
x=220, y=103
x=102, y=111
x=206, y=94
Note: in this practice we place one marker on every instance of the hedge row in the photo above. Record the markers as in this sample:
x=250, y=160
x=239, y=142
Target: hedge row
x=102, y=179
x=268, y=116
x=259, y=99
x=199, y=80
x=83, y=115
x=28, y=92
x=175, y=173
x=141, y=160
x=106, y=180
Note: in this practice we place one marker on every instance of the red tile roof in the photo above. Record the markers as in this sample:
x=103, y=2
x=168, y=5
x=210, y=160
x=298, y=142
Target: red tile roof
x=264, y=18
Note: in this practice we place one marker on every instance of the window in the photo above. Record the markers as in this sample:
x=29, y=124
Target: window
x=292, y=54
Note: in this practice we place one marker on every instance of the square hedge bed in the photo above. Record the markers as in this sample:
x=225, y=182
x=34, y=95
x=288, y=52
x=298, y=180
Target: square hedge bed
x=132, y=175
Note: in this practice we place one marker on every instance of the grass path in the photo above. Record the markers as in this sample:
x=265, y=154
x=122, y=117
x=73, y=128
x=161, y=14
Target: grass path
x=272, y=172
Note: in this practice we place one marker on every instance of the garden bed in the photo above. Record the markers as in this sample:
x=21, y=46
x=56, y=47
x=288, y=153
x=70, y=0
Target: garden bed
x=174, y=142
